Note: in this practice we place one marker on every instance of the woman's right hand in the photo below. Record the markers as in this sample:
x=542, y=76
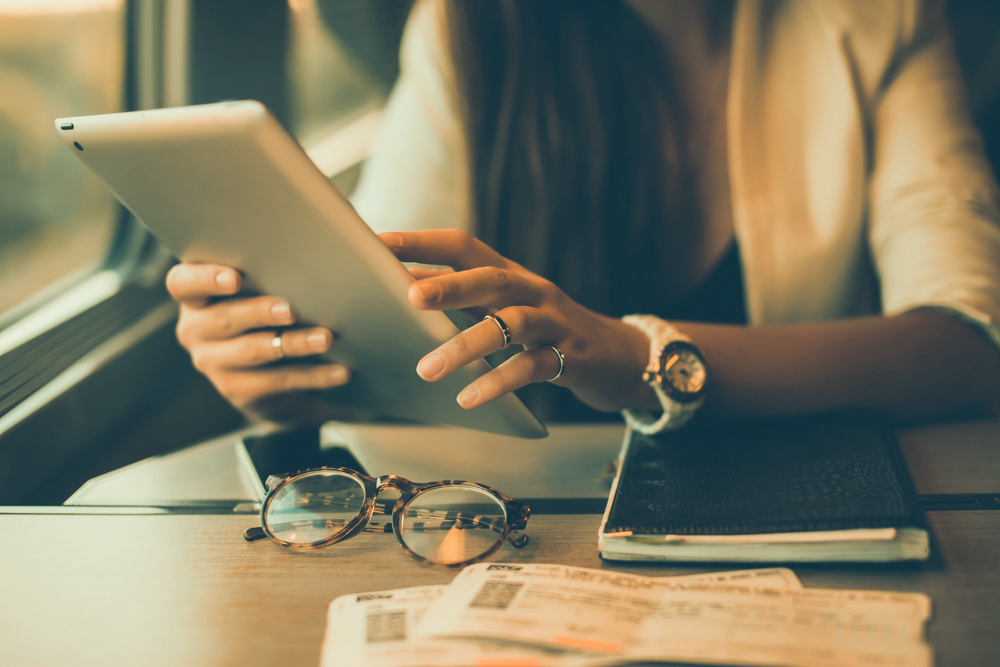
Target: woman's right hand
x=231, y=340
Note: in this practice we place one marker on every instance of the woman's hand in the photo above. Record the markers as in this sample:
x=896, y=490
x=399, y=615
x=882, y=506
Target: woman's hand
x=232, y=340
x=604, y=358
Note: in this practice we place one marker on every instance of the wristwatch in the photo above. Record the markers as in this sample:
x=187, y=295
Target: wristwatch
x=676, y=372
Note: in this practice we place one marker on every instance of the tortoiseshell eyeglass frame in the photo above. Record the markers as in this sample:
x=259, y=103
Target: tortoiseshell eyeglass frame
x=515, y=513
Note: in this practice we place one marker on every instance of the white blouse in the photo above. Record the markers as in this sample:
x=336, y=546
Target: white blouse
x=850, y=146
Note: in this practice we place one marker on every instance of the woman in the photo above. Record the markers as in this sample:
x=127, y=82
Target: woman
x=808, y=168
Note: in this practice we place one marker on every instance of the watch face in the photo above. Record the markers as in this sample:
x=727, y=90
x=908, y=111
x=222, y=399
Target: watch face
x=683, y=371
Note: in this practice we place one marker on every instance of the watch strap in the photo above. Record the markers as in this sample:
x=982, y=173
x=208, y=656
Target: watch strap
x=675, y=414
x=660, y=333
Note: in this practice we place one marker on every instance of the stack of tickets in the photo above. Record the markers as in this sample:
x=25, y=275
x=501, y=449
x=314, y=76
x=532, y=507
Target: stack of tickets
x=497, y=615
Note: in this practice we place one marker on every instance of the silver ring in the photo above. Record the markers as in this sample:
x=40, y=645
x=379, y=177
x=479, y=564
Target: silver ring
x=562, y=363
x=276, y=344
x=503, y=329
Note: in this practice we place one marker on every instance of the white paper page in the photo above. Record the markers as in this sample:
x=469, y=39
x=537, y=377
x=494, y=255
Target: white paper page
x=681, y=619
x=376, y=630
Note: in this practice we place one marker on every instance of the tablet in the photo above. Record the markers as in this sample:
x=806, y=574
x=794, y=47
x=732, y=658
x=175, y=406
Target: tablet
x=224, y=183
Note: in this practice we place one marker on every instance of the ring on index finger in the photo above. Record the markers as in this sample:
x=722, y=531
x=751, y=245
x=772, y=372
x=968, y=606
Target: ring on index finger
x=503, y=330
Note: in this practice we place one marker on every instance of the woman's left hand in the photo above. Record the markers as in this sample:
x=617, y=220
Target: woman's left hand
x=604, y=357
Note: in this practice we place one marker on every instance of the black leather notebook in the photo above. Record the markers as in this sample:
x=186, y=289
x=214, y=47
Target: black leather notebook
x=825, y=488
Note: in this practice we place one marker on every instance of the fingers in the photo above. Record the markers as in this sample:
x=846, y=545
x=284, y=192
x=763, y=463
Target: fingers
x=526, y=325
x=237, y=365
x=535, y=365
x=232, y=318
x=420, y=273
x=259, y=348
x=244, y=387
x=482, y=286
x=226, y=343
x=195, y=283
x=451, y=247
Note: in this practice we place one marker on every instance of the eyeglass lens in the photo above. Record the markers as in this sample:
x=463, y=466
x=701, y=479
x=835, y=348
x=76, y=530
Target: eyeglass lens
x=452, y=524
x=314, y=507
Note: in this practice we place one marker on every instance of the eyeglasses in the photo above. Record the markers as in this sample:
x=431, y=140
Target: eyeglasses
x=451, y=523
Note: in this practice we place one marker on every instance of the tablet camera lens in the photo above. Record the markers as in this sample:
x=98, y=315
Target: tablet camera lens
x=78, y=146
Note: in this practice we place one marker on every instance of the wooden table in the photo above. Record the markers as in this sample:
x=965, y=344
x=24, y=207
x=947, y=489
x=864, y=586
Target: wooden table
x=186, y=589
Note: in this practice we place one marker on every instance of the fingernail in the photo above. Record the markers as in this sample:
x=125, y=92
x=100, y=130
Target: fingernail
x=317, y=342
x=469, y=396
x=430, y=291
x=430, y=366
x=282, y=311
x=226, y=280
x=339, y=375
x=392, y=241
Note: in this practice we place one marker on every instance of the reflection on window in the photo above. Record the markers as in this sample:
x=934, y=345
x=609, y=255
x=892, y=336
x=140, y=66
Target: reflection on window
x=342, y=56
x=57, y=58
x=327, y=86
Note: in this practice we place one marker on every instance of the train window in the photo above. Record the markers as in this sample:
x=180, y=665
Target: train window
x=90, y=369
x=57, y=58
x=327, y=87
x=342, y=60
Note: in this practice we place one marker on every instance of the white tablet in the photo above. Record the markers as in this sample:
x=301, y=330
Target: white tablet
x=224, y=183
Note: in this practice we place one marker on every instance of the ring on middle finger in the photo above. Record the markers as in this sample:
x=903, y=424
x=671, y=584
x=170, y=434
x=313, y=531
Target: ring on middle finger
x=276, y=343
x=503, y=330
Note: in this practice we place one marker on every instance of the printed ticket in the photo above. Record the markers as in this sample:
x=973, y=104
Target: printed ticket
x=379, y=630
x=617, y=617
x=375, y=629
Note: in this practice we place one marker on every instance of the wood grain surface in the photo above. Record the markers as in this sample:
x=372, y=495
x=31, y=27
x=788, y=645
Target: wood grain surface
x=188, y=590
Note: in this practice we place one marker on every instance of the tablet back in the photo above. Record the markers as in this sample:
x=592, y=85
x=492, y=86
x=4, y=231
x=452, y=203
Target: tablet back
x=224, y=183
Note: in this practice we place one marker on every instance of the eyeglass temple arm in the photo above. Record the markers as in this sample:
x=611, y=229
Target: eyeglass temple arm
x=518, y=540
x=257, y=533
x=518, y=522
x=254, y=534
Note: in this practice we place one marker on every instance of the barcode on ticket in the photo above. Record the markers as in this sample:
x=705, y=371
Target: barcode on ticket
x=495, y=595
x=385, y=626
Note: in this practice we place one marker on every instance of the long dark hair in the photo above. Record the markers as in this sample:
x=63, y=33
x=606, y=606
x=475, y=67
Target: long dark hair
x=576, y=145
